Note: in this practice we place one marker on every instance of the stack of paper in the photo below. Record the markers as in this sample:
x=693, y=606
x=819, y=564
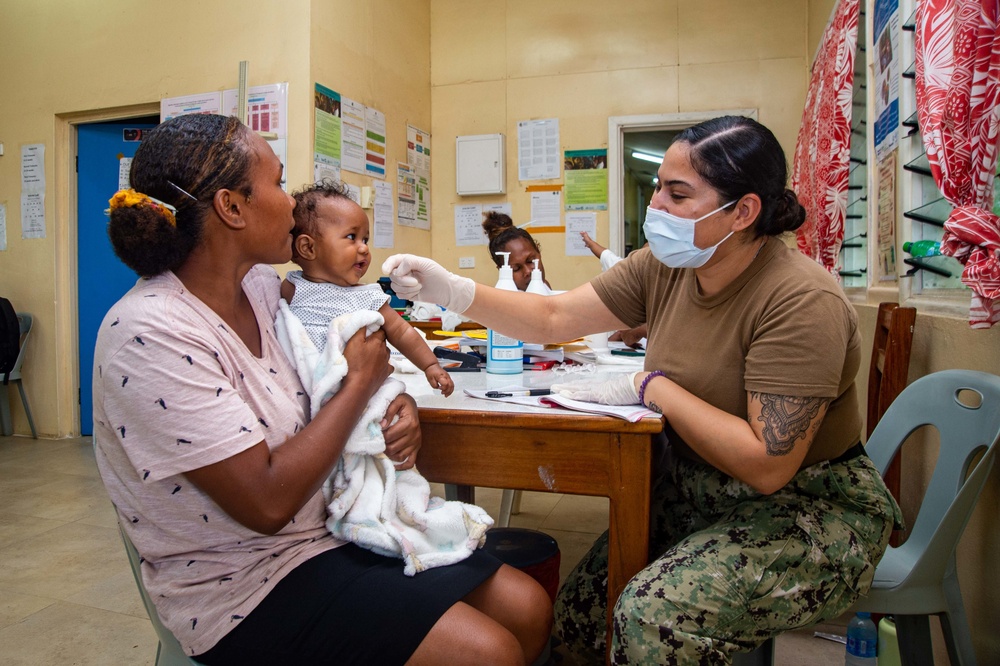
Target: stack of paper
x=631, y=413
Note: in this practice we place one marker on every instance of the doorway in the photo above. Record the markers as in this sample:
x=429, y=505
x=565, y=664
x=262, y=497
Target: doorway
x=630, y=178
x=104, y=154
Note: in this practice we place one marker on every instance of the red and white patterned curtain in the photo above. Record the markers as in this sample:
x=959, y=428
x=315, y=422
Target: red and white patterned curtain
x=821, y=167
x=958, y=109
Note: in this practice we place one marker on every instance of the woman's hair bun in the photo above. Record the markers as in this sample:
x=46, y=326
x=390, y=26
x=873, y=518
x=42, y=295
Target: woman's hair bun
x=789, y=214
x=496, y=223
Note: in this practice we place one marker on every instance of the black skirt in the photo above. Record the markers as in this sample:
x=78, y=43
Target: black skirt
x=349, y=606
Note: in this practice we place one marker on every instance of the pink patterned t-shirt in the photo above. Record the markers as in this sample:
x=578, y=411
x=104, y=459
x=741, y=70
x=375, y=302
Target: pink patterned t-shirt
x=176, y=390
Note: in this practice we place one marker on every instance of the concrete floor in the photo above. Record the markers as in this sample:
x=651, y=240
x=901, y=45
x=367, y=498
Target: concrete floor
x=67, y=594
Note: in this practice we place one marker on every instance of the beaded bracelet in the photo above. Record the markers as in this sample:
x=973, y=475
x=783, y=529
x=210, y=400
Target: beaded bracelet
x=642, y=386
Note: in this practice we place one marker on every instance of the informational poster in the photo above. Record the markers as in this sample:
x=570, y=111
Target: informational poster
x=353, y=193
x=33, y=167
x=546, y=209
x=406, y=195
x=352, y=147
x=267, y=108
x=885, y=23
x=374, y=142
x=383, y=216
x=503, y=207
x=326, y=147
x=32, y=215
x=3, y=227
x=887, y=218
x=586, y=175
x=575, y=224
x=418, y=150
x=469, y=225
x=171, y=107
x=538, y=149
x=124, y=169
x=33, y=190
x=418, y=155
x=266, y=112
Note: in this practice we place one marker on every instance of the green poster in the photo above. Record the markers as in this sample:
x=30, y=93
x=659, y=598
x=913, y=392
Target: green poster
x=327, y=144
x=586, y=179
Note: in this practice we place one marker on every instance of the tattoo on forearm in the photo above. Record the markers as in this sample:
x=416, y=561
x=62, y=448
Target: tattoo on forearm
x=786, y=419
x=655, y=407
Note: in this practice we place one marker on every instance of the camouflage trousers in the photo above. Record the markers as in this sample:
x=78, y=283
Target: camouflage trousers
x=731, y=567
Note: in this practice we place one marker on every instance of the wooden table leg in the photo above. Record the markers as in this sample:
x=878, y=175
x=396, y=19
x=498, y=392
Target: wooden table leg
x=628, y=531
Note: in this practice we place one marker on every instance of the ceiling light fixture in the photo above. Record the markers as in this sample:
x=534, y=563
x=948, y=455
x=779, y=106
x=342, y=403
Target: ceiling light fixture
x=647, y=157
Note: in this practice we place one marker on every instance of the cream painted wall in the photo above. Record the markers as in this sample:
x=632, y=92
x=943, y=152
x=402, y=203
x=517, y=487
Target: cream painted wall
x=496, y=63
x=382, y=59
x=66, y=63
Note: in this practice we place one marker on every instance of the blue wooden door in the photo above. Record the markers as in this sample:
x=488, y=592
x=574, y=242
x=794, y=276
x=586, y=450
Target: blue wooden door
x=102, y=150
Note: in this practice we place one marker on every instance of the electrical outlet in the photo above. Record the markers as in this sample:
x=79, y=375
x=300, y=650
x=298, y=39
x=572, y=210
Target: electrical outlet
x=466, y=262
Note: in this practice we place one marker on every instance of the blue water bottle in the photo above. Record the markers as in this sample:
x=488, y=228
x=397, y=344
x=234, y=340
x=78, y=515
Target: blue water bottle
x=862, y=638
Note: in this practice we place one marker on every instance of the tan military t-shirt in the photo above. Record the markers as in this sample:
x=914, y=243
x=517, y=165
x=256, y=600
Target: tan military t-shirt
x=782, y=327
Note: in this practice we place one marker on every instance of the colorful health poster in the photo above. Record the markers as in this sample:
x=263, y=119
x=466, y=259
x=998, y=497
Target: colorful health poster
x=586, y=179
x=326, y=149
x=885, y=24
x=352, y=146
x=374, y=142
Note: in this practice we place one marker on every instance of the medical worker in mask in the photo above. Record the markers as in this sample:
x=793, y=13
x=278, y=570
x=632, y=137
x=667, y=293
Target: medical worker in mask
x=766, y=513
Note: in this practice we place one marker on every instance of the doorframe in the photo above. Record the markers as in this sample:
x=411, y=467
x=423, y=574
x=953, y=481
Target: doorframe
x=65, y=198
x=617, y=127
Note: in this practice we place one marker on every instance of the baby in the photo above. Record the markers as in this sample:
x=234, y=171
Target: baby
x=330, y=244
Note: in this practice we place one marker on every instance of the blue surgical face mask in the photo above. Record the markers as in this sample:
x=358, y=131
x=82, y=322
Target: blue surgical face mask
x=671, y=238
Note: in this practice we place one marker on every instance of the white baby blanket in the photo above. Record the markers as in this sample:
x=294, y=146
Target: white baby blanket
x=370, y=503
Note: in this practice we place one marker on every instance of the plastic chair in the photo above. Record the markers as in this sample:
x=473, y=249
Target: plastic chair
x=169, y=651
x=24, y=321
x=919, y=578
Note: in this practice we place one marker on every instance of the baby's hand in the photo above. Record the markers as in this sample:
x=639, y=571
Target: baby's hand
x=439, y=379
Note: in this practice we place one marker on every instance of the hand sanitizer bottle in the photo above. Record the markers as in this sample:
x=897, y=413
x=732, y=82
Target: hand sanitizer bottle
x=537, y=284
x=504, y=355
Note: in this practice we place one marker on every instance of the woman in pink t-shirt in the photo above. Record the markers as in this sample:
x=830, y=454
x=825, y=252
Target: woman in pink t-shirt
x=202, y=439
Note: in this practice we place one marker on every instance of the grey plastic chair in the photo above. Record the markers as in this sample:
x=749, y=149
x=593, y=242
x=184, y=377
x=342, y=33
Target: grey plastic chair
x=919, y=578
x=24, y=323
x=169, y=651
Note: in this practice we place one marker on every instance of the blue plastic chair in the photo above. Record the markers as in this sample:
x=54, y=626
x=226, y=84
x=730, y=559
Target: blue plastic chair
x=24, y=324
x=919, y=579
x=169, y=651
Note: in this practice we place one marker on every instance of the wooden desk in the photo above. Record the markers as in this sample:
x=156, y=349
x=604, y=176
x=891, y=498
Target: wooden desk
x=472, y=442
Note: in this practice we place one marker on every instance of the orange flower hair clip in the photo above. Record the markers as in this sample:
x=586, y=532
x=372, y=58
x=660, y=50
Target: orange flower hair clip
x=128, y=198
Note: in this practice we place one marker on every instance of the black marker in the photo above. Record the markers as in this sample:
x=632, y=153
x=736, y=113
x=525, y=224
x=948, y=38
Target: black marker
x=511, y=394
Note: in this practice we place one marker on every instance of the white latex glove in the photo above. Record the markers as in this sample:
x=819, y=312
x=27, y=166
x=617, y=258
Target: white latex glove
x=617, y=391
x=418, y=279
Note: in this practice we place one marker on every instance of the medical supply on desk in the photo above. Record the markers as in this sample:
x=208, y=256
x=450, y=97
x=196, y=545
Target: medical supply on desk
x=504, y=354
x=467, y=362
x=514, y=393
x=537, y=283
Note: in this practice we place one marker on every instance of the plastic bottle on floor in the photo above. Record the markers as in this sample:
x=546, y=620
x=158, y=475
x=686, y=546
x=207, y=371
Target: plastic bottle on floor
x=862, y=641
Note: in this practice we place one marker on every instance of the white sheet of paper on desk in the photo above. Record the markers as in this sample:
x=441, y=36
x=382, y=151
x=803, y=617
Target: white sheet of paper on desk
x=631, y=413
